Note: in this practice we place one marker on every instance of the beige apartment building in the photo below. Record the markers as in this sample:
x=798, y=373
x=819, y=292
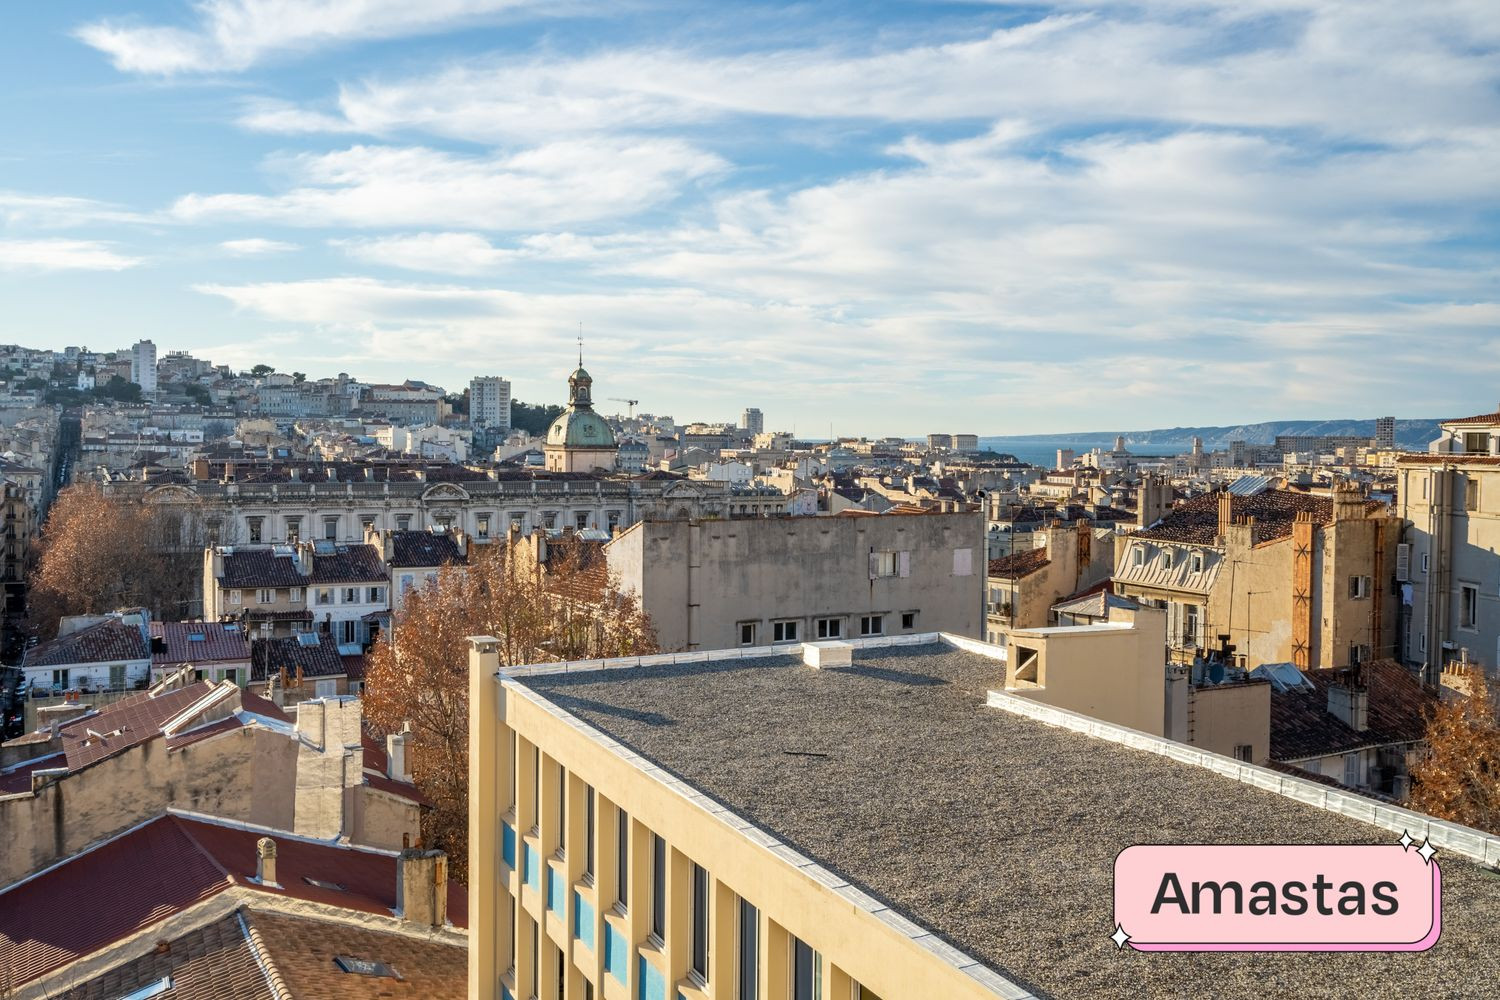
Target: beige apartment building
x=874, y=819
x=1023, y=586
x=1289, y=577
x=766, y=581
x=1450, y=503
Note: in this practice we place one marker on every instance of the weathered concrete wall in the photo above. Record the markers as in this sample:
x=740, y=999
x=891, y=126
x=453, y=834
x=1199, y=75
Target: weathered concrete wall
x=381, y=819
x=1233, y=715
x=247, y=775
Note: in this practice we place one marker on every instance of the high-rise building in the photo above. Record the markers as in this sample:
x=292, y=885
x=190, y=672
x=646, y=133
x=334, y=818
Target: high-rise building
x=752, y=420
x=489, y=403
x=1385, y=433
x=143, y=366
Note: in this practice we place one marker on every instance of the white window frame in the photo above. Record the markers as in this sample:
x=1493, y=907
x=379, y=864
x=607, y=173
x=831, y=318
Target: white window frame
x=1468, y=606
x=294, y=594
x=324, y=596
x=781, y=628
x=754, y=628
x=234, y=597
x=872, y=624
x=265, y=595
x=829, y=628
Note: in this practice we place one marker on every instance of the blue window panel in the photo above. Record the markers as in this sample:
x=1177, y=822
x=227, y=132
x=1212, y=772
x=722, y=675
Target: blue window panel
x=583, y=920
x=532, y=868
x=555, y=894
x=616, y=954
x=508, y=844
x=652, y=985
x=505, y=994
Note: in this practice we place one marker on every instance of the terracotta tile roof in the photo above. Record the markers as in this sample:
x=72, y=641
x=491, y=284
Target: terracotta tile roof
x=320, y=659
x=302, y=951
x=162, y=867
x=208, y=963
x=1019, y=564
x=246, y=568
x=1301, y=726
x=1196, y=522
x=425, y=548
x=108, y=641
x=1481, y=418
x=1442, y=458
x=263, y=615
x=350, y=564
x=220, y=641
x=124, y=724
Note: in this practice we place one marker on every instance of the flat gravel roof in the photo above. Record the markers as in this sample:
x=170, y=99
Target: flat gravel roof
x=995, y=831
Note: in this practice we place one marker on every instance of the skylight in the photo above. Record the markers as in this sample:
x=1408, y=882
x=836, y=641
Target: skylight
x=320, y=884
x=197, y=637
x=150, y=990
x=364, y=967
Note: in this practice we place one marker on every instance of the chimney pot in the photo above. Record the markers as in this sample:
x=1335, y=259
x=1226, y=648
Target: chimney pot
x=265, y=861
x=422, y=886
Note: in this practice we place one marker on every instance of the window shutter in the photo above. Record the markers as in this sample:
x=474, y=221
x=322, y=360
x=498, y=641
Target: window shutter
x=1403, y=562
x=904, y=561
x=874, y=565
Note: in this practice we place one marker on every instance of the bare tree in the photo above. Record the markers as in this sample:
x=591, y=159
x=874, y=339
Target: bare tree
x=1458, y=778
x=559, y=606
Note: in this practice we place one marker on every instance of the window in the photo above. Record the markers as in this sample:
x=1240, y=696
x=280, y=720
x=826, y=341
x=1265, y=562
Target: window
x=1190, y=625
x=807, y=972
x=325, y=595
x=294, y=595
x=1242, y=752
x=331, y=529
x=747, y=633
x=366, y=521
x=883, y=564
x=1471, y=493
x=1424, y=562
x=482, y=526
x=253, y=524
x=116, y=676
x=784, y=631
x=408, y=581
x=871, y=625
x=622, y=859
x=1477, y=443
x=1351, y=770
x=1138, y=556
x=658, y=887
x=588, y=832
x=293, y=529
x=234, y=597
x=1166, y=559
x=348, y=632
x=963, y=562
x=403, y=522
x=562, y=809
x=1195, y=562
x=326, y=689
x=265, y=597
x=1468, y=606
x=614, y=521
x=549, y=519
x=375, y=595
x=830, y=628
x=1359, y=588
x=581, y=520
x=700, y=923
x=1358, y=653
x=749, y=977
x=908, y=620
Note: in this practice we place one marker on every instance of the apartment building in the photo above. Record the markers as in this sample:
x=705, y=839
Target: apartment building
x=489, y=404
x=1022, y=587
x=1449, y=500
x=143, y=367
x=788, y=826
x=767, y=581
x=1289, y=577
x=279, y=590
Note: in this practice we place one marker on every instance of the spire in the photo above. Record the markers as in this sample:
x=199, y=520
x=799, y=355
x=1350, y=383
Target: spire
x=580, y=344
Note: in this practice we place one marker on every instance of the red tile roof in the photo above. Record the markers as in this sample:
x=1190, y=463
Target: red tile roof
x=165, y=866
x=425, y=548
x=1196, y=522
x=1481, y=418
x=1301, y=726
x=1019, y=564
x=220, y=642
x=247, y=568
x=321, y=659
x=212, y=962
x=302, y=952
x=349, y=564
x=108, y=641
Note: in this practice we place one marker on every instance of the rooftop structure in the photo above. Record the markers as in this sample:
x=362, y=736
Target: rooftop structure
x=917, y=828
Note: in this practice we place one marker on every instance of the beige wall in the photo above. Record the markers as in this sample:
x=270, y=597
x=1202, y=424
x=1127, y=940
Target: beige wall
x=1227, y=716
x=1114, y=671
x=699, y=579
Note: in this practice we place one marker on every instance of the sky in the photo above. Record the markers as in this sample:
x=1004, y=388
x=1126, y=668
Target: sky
x=998, y=218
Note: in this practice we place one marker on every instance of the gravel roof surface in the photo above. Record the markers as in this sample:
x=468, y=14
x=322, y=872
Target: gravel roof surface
x=995, y=831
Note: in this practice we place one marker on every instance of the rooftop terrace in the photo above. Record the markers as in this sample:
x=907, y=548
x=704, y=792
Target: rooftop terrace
x=994, y=830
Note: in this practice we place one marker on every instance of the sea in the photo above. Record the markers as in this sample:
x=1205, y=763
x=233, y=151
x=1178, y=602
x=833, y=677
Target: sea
x=1044, y=451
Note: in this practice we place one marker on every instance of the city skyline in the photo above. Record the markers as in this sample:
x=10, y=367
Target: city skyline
x=1061, y=215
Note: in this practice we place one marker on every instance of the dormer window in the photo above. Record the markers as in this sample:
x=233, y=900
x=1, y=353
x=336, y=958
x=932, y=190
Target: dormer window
x=1195, y=562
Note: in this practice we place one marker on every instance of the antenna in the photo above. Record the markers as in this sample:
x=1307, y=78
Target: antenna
x=580, y=344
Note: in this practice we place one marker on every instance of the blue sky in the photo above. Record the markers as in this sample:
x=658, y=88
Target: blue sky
x=890, y=218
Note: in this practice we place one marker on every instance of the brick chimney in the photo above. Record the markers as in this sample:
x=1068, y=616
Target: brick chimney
x=1349, y=702
x=422, y=887
x=1226, y=513
x=265, y=861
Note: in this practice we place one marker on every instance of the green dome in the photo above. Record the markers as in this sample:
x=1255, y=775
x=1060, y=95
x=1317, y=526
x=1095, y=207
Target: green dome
x=580, y=428
x=580, y=376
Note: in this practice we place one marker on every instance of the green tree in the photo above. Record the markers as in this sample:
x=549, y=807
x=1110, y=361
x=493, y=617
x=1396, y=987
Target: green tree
x=534, y=418
x=260, y=371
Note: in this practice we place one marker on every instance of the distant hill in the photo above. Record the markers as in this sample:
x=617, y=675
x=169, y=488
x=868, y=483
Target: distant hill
x=1410, y=433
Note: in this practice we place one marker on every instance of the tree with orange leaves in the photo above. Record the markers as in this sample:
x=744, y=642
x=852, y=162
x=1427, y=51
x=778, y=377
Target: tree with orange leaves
x=545, y=600
x=1458, y=778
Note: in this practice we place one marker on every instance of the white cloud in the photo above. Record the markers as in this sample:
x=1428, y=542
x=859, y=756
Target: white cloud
x=563, y=183
x=442, y=253
x=62, y=255
x=230, y=35
x=1386, y=69
x=256, y=246
x=60, y=211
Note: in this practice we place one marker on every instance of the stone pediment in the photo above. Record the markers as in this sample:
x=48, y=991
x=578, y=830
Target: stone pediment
x=169, y=493
x=445, y=491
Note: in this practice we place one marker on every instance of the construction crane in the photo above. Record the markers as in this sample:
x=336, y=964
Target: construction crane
x=629, y=402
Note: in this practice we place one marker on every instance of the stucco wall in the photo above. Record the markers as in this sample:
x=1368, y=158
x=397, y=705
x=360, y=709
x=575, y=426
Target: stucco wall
x=1232, y=715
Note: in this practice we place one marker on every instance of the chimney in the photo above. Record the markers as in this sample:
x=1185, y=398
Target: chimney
x=1226, y=513
x=1349, y=702
x=200, y=469
x=265, y=861
x=397, y=767
x=422, y=887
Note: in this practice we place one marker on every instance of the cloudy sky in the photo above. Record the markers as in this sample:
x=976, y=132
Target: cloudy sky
x=993, y=217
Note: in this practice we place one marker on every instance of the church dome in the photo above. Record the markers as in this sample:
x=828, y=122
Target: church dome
x=580, y=427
